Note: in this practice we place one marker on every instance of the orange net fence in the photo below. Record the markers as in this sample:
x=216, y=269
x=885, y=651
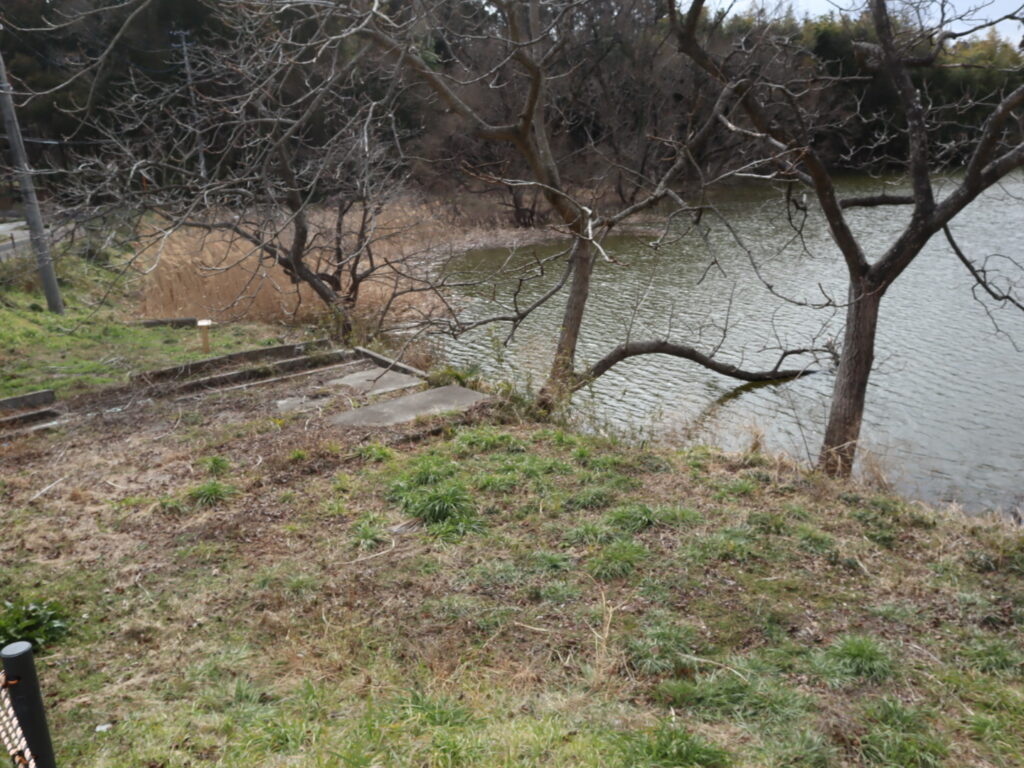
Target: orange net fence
x=11, y=735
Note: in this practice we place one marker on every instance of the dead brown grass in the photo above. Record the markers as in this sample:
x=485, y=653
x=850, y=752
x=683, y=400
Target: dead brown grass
x=192, y=273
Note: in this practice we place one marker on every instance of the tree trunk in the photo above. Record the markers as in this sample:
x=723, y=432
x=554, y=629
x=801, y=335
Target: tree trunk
x=855, y=362
x=560, y=378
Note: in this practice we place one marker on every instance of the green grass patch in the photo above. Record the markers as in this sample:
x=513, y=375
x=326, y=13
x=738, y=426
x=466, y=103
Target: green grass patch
x=856, y=658
x=97, y=342
x=900, y=735
x=617, y=559
x=730, y=693
x=670, y=746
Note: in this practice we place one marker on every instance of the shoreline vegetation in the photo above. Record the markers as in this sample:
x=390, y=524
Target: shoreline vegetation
x=98, y=342
x=214, y=583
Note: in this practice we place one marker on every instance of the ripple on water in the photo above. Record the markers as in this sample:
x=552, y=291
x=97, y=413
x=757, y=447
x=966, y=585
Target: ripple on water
x=945, y=405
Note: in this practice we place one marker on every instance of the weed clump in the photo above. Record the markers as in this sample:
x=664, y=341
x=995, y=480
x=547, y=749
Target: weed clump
x=662, y=646
x=425, y=470
x=486, y=440
x=590, y=498
x=994, y=657
x=632, y=518
x=449, y=501
x=211, y=493
x=433, y=711
x=375, y=453
x=588, y=534
x=856, y=658
x=215, y=466
x=771, y=523
x=368, y=532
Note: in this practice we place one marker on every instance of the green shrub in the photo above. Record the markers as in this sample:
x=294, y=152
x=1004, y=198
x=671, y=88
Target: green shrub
x=42, y=623
x=450, y=374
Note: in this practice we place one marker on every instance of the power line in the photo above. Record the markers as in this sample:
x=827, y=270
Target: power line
x=60, y=142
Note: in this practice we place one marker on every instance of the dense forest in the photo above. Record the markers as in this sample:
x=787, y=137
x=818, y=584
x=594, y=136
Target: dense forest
x=619, y=82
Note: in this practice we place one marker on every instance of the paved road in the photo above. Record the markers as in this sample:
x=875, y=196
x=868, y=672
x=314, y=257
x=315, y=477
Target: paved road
x=13, y=236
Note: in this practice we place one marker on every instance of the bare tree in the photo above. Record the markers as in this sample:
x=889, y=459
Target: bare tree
x=525, y=41
x=269, y=133
x=782, y=123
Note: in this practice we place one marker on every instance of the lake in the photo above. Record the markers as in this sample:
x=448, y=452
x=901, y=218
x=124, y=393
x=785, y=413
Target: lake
x=945, y=411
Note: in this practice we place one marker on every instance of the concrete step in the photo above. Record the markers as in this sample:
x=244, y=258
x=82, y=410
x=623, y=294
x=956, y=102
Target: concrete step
x=29, y=400
x=185, y=370
x=267, y=371
x=452, y=398
x=27, y=417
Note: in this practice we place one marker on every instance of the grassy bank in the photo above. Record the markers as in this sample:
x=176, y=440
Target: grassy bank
x=272, y=592
x=97, y=342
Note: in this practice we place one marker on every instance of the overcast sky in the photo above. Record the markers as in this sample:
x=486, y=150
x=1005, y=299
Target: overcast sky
x=992, y=9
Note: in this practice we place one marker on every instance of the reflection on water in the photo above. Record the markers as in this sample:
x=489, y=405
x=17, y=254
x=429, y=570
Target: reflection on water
x=946, y=401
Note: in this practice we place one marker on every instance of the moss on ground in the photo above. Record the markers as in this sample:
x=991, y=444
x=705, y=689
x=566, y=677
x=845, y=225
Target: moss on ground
x=492, y=595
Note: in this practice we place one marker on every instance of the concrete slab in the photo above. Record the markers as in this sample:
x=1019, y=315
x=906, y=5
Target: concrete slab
x=409, y=407
x=376, y=381
x=292, y=404
x=301, y=403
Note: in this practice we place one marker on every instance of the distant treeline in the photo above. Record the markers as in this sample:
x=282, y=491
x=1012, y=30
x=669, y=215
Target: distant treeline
x=625, y=93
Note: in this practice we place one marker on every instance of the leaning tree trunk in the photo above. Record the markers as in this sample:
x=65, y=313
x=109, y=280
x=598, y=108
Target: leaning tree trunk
x=855, y=362
x=560, y=378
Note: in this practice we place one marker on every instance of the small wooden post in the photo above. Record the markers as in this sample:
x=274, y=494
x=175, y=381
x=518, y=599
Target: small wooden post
x=204, y=334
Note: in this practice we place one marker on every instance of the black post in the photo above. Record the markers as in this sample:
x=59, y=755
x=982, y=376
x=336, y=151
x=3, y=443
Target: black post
x=27, y=700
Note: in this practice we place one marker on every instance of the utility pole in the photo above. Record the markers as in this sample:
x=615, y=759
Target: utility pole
x=40, y=243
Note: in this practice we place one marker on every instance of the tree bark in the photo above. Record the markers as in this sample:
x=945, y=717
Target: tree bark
x=844, y=420
x=630, y=349
x=561, y=376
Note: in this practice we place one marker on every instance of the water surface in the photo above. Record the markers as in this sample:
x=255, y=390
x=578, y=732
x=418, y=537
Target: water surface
x=946, y=399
